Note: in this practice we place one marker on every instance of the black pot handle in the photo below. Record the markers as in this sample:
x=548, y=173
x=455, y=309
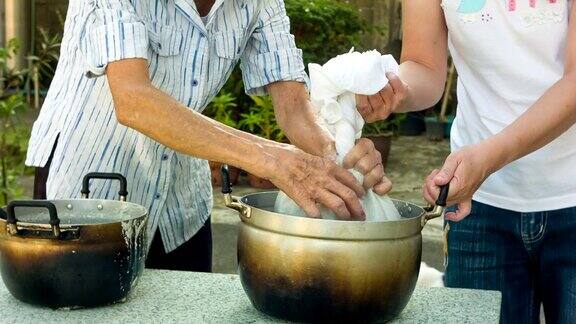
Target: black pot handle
x=438, y=209
x=229, y=200
x=11, y=219
x=108, y=176
x=226, y=185
x=443, y=195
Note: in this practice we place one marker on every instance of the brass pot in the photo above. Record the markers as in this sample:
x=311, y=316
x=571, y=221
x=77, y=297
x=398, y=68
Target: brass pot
x=306, y=269
x=73, y=253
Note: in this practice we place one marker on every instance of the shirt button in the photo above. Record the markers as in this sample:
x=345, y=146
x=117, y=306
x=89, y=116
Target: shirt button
x=239, y=50
x=164, y=157
x=194, y=82
x=157, y=196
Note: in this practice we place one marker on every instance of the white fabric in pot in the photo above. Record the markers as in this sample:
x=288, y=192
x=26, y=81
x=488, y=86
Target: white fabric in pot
x=333, y=89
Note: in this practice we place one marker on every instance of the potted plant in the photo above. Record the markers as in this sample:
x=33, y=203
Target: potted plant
x=381, y=133
x=221, y=109
x=260, y=120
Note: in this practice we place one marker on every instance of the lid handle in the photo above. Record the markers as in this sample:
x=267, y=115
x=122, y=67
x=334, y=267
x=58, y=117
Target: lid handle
x=123, y=193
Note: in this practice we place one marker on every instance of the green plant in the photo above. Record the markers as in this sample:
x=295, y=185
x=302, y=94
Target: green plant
x=322, y=28
x=13, y=144
x=391, y=124
x=46, y=55
x=43, y=63
x=260, y=120
x=13, y=133
x=10, y=80
x=325, y=28
x=221, y=109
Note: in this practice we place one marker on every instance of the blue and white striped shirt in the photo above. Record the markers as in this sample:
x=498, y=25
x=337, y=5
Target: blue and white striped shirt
x=189, y=60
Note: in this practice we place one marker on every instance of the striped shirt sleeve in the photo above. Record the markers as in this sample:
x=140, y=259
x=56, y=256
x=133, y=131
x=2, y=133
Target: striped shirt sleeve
x=113, y=31
x=271, y=54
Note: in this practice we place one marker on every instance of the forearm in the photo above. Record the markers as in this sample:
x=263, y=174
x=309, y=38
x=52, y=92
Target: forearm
x=424, y=53
x=424, y=84
x=546, y=120
x=296, y=117
x=160, y=117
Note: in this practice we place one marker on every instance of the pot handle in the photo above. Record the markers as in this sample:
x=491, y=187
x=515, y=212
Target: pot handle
x=438, y=209
x=11, y=219
x=232, y=201
x=108, y=176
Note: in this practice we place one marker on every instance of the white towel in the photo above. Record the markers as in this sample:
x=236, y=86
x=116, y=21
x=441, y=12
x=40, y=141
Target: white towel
x=333, y=90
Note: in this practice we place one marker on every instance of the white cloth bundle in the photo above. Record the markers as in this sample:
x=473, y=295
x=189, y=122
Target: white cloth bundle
x=333, y=90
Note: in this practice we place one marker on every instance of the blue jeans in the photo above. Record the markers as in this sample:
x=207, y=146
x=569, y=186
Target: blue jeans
x=529, y=257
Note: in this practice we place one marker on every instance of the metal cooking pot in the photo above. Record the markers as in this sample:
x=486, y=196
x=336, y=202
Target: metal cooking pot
x=306, y=269
x=90, y=252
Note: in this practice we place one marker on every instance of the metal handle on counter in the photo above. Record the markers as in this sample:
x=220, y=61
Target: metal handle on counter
x=438, y=209
x=12, y=221
x=231, y=201
x=123, y=193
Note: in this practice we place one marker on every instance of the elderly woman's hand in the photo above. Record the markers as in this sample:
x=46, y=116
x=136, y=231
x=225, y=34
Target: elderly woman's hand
x=365, y=159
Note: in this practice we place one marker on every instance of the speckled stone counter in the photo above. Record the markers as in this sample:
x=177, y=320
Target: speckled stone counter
x=184, y=297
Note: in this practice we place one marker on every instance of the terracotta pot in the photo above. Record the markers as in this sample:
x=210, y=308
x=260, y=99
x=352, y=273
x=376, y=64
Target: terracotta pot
x=382, y=142
x=215, y=171
x=257, y=182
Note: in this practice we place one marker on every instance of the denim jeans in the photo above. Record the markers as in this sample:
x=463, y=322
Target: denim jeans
x=529, y=257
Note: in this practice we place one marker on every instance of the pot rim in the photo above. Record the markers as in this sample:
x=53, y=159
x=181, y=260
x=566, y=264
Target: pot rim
x=80, y=205
x=254, y=214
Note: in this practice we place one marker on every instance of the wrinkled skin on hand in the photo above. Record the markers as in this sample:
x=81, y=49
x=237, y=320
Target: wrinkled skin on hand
x=310, y=180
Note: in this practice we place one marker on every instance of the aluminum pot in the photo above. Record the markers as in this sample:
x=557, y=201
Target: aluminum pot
x=73, y=253
x=305, y=269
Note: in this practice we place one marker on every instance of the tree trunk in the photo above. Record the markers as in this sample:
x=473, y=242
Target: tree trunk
x=17, y=25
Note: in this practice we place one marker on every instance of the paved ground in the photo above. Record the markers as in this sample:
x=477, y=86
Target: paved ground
x=411, y=159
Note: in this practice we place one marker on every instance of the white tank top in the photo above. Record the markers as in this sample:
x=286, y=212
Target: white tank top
x=507, y=54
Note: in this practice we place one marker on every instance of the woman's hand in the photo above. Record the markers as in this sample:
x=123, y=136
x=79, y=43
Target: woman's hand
x=465, y=170
x=310, y=180
x=365, y=159
x=385, y=102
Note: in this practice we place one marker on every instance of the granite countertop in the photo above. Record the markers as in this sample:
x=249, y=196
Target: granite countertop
x=186, y=297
